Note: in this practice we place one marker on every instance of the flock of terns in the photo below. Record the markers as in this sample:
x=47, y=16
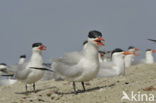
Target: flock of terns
x=82, y=66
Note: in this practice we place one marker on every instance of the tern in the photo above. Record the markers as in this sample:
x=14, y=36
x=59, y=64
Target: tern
x=80, y=66
x=28, y=71
x=22, y=59
x=116, y=67
x=130, y=58
x=149, y=59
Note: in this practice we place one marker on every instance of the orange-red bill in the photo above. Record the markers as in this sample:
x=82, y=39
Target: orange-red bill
x=153, y=51
x=42, y=47
x=127, y=53
x=98, y=41
x=101, y=39
x=136, y=49
x=136, y=53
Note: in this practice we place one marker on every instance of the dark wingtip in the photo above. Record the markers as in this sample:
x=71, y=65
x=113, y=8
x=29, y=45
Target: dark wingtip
x=43, y=69
x=7, y=75
x=152, y=40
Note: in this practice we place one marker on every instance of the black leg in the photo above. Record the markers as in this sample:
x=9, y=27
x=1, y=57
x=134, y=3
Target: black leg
x=83, y=86
x=26, y=87
x=34, y=87
x=74, y=87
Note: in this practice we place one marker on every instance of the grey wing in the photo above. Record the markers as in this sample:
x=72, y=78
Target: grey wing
x=67, y=66
x=20, y=71
x=69, y=58
x=66, y=71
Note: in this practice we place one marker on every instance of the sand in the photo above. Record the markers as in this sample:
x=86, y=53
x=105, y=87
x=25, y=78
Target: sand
x=140, y=79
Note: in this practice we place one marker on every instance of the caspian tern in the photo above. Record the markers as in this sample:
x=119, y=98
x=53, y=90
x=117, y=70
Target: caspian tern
x=116, y=67
x=149, y=59
x=26, y=72
x=149, y=56
x=130, y=58
x=80, y=66
x=22, y=59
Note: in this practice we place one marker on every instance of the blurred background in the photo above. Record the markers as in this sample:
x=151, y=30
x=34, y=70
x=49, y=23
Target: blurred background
x=63, y=25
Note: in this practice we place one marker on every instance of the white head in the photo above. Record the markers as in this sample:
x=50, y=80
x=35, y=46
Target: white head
x=38, y=47
x=22, y=59
x=134, y=50
x=118, y=54
x=150, y=51
x=95, y=38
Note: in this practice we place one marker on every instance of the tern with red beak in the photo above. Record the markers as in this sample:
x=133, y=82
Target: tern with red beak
x=25, y=72
x=149, y=59
x=80, y=66
x=116, y=67
x=130, y=58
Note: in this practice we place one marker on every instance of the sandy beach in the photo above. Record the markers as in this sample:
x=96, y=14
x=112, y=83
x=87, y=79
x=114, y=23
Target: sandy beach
x=139, y=79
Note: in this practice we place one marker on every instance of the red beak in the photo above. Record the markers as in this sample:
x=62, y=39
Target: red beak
x=98, y=41
x=127, y=53
x=153, y=51
x=136, y=49
x=136, y=53
x=42, y=47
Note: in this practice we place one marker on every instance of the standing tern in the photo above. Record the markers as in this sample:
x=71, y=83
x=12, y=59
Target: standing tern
x=26, y=72
x=116, y=67
x=80, y=66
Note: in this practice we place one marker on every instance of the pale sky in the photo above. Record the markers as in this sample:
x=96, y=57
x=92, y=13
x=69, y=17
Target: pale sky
x=63, y=25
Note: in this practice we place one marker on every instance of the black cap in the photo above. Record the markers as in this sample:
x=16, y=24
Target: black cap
x=131, y=47
x=3, y=64
x=23, y=56
x=117, y=50
x=102, y=52
x=36, y=44
x=94, y=34
x=149, y=50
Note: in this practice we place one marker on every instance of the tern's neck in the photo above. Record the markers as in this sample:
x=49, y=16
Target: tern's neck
x=129, y=58
x=91, y=52
x=21, y=61
x=119, y=61
x=119, y=65
x=36, y=59
x=149, y=58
